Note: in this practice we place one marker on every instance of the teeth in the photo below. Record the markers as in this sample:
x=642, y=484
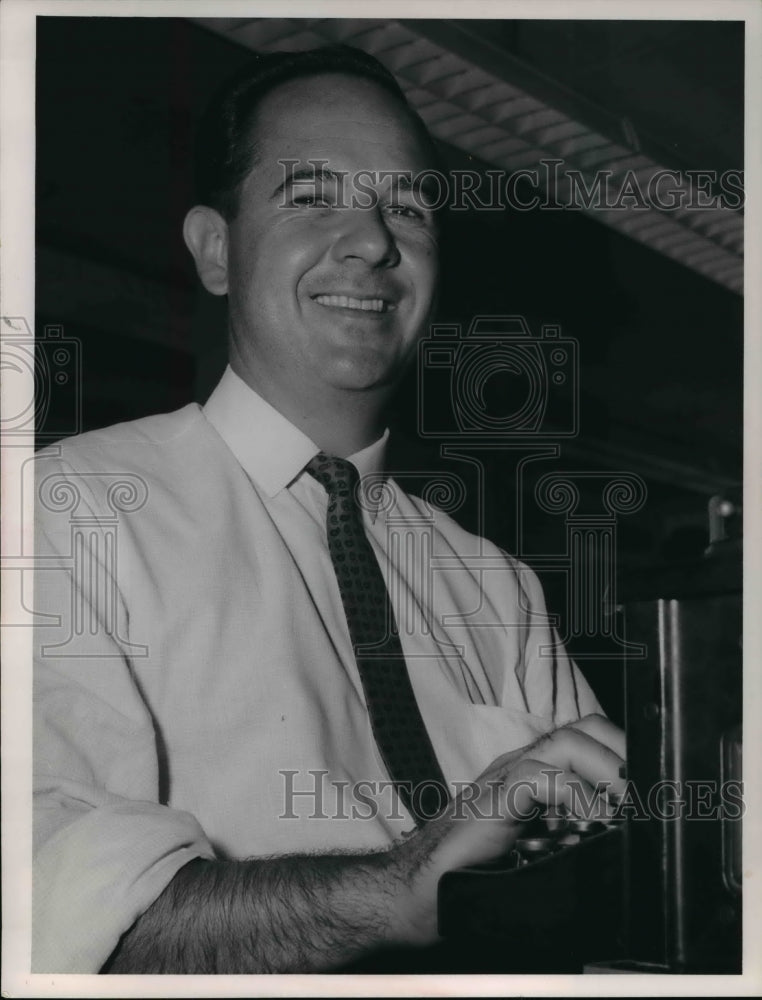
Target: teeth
x=366, y=305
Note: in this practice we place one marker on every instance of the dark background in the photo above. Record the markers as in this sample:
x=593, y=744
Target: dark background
x=660, y=345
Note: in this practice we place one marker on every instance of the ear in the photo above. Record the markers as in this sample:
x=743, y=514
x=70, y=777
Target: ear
x=206, y=235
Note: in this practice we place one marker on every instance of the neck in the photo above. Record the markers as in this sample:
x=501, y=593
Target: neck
x=340, y=422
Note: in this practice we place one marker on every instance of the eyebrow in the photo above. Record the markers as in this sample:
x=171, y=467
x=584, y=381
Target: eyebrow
x=308, y=174
x=427, y=186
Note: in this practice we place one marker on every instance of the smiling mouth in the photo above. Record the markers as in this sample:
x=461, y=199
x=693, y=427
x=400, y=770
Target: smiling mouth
x=347, y=302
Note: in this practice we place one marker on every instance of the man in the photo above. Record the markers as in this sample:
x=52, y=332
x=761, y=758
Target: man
x=215, y=792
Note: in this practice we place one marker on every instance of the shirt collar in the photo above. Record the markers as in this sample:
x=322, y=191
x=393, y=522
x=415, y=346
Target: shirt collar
x=271, y=450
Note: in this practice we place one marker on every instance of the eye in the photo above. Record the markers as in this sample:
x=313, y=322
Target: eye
x=405, y=211
x=409, y=214
x=310, y=201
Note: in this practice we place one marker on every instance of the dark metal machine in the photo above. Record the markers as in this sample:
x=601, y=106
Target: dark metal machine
x=657, y=887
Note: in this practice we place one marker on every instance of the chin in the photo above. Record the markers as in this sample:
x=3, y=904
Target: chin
x=359, y=384
x=354, y=381
x=363, y=374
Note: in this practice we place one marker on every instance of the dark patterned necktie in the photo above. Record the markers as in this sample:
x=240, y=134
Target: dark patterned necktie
x=395, y=717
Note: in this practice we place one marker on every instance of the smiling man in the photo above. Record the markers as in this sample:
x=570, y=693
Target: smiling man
x=240, y=767
x=326, y=303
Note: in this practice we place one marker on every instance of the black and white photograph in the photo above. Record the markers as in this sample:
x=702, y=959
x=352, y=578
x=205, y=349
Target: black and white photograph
x=377, y=440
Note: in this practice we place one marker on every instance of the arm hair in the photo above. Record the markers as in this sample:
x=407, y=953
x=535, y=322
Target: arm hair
x=293, y=913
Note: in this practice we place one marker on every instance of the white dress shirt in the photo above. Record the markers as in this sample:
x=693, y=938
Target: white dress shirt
x=197, y=674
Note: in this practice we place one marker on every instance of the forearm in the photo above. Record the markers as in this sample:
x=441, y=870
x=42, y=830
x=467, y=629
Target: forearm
x=289, y=914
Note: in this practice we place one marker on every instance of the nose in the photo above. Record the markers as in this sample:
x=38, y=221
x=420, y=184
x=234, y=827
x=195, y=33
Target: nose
x=364, y=235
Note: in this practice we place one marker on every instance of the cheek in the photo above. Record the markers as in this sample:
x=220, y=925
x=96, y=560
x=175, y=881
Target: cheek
x=421, y=254
x=281, y=261
x=423, y=268
x=264, y=248
x=244, y=267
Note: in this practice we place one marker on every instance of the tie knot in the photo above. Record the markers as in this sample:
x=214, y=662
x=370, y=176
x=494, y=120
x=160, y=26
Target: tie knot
x=337, y=476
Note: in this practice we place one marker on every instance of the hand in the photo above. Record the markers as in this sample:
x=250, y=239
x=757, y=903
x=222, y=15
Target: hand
x=562, y=768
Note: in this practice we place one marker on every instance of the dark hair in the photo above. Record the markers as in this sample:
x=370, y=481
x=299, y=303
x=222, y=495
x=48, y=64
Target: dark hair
x=226, y=144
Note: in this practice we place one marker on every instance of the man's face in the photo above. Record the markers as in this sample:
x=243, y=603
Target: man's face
x=324, y=297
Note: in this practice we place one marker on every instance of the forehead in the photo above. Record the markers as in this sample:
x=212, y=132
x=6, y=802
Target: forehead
x=350, y=119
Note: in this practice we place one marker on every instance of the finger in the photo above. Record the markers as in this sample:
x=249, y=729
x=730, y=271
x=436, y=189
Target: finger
x=533, y=785
x=603, y=730
x=500, y=765
x=487, y=826
x=573, y=750
x=595, y=725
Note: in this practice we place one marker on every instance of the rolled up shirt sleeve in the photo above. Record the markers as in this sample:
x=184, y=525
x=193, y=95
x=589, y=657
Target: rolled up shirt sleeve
x=104, y=844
